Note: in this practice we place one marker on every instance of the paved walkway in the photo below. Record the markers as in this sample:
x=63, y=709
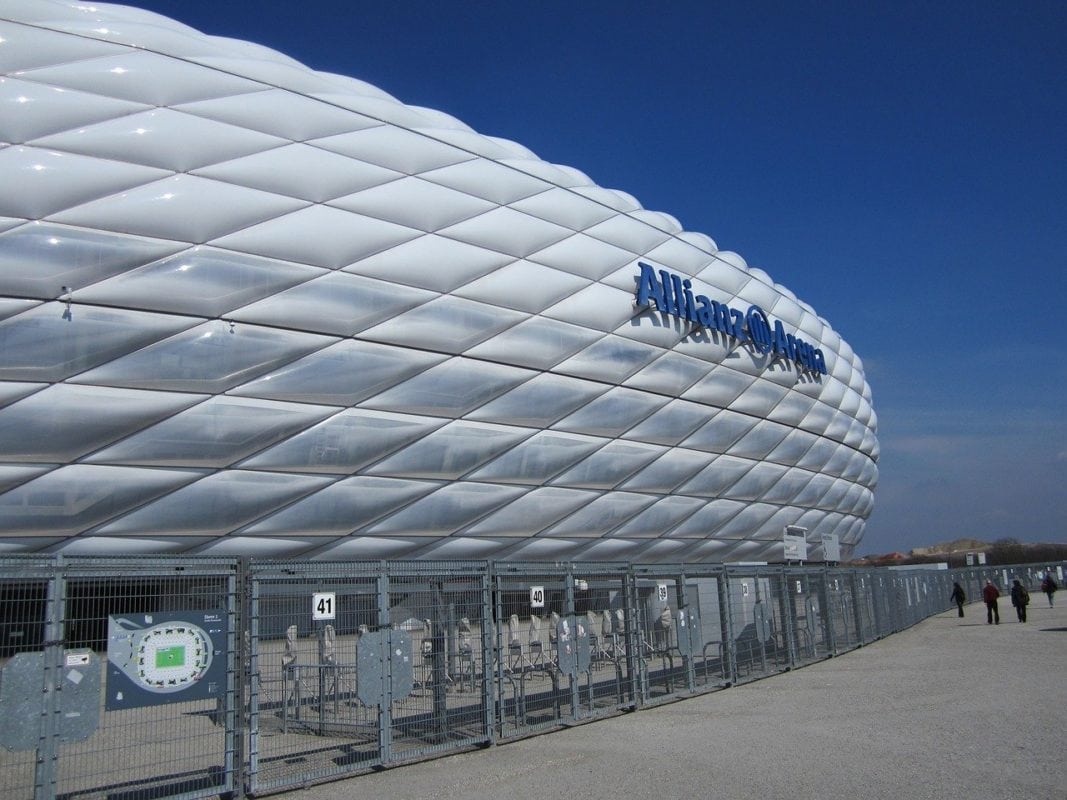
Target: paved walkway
x=951, y=708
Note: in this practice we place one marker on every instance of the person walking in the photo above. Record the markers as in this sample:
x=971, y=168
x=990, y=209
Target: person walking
x=958, y=597
x=990, y=595
x=1020, y=598
x=1048, y=586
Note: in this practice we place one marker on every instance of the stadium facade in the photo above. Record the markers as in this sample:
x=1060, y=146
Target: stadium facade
x=248, y=308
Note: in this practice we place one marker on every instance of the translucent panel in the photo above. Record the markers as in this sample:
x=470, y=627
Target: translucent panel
x=755, y=482
x=610, y=359
x=709, y=520
x=430, y=262
x=627, y=233
x=670, y=374
x=281, y=113
x=449, y=324
x=29, y=110
x=524, y=286
x=364, y=547
x=394, y=148
x=612, y=413
x=720, y=388
x=821, y=451
x=538, y=343
x=162, y=138
x=760, y=441
x=337, y=303
x=661, y=330
x=52, y=342
x=447, y=509
x=748, y=521
x=143, y=77
x=507, y=231
x=64, y=422
x=212, y=357
x=342, y=374
x=725, y=278
x=450, y=452
x=214, y=433
x=583, y=255
x=539, y=402
x=756, y=292
x=73, y=498
x=660, y=518
x=216, y=504
x=185, y=207
x=90, y=545
x=792, y=448
x=667, y=472
x=299, y=170
x=257, y=547
x=681, y=255
x=672, y=423
x=538, y=459
x=50, y=182
x=759, y=398
x=602, y=515
x=202, y=280
x=25, y=46
x=564, y=208
x=488, y=180
x=531, y=513
x=717, y=478
x=11, y=476
x=70, y=257
x=608, y=466
x=11, y=306
x=451, y=389
x=815, y=491
x=10, y=391
x=319, y=235
x=342, y=507
x=819, y=418
x=791, y=409
x=596, y=306
x=415, y=203
x=718, y=434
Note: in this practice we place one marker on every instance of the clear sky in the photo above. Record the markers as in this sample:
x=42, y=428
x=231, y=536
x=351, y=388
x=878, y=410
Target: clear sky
x=900, y=166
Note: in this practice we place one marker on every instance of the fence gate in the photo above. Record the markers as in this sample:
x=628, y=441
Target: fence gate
x=123, y=657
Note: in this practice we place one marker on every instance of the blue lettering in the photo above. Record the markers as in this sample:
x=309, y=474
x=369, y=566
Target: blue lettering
x=648, y=288
x=706, y=312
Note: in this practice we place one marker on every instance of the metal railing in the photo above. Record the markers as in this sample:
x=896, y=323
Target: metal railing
x=198, y=677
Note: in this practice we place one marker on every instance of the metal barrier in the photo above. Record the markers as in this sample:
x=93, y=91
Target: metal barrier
x=188, y=677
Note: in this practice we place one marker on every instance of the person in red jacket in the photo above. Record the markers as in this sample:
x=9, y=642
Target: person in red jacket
x=990, y=595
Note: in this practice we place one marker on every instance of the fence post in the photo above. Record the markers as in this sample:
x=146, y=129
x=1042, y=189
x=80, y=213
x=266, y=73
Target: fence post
x=236, y=719
x=44, y=775
x=726, y=619
x=385, y=710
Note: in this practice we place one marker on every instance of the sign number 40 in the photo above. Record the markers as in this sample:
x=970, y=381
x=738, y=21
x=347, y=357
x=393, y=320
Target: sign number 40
x=324, y=605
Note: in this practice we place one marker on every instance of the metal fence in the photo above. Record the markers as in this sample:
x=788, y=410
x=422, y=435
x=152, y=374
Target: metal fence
x=138, y=679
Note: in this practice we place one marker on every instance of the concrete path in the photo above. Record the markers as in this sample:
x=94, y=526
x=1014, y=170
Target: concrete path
x=952, y=708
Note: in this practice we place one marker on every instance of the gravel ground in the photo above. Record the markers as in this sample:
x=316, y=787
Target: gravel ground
x=948, y=709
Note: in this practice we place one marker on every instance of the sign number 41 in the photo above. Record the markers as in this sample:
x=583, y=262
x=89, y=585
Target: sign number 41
x=324, y=605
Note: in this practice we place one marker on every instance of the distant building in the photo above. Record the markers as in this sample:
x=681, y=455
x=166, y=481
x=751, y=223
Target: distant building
x=248, y=308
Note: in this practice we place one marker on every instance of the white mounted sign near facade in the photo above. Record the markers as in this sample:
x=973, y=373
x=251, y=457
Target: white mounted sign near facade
x=537, y=597
x=323, y=606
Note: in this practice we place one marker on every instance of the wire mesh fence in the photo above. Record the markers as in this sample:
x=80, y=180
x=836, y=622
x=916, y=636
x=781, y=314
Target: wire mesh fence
x=142, y=679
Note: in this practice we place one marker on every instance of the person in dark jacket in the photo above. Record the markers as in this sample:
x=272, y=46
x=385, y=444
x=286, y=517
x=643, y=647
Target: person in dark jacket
x=1020, y=598
x=1048, y=586
x=990, y=595
x=958, y=597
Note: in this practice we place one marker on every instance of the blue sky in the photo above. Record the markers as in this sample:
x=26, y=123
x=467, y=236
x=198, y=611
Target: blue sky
x=902, y=167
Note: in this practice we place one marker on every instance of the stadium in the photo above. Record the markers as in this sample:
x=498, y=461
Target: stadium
x=251, y=309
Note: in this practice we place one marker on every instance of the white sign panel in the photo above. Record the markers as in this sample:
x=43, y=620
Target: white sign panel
x=796, y=547
x=537, y=597
x=661, y=592
x=831, y=547
x=324, y=605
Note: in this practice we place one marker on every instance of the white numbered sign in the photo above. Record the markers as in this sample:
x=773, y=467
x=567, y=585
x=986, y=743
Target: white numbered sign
x=661, y=592
x=324, y=605
x=537, y=597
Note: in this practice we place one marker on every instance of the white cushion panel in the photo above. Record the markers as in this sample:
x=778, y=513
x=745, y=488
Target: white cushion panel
x=524, y=286
x=30, y=110
x=281, y=113
x=507, y=231
x=431, y=262
x=488, y=180
x=394, y=148
x=415, y=203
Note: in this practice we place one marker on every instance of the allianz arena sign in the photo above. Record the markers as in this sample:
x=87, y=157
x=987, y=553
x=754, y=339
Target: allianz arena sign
x=674, y=295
